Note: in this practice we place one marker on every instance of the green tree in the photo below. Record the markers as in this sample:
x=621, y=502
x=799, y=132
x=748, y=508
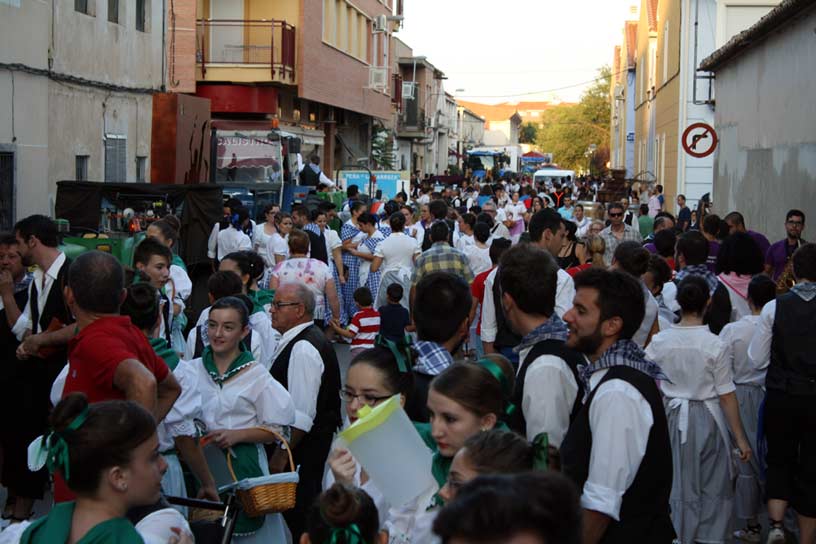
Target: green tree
x=528, y=134
x=568, y=130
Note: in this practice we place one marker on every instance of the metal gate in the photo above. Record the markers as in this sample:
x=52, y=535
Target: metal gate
x=6, y=190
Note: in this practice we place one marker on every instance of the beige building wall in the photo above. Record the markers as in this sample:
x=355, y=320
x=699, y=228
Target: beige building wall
x=667, y=97
x=644, y=167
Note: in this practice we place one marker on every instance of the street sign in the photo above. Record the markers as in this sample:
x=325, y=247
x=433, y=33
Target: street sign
x=699, y=140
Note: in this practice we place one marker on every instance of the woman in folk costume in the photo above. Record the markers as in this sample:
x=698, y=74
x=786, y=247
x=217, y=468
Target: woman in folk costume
x=166, y=231
x=738, y=260
x=701, y=408
x=394, y=258
x=240, y=400
x=107, y=452
x=177, y=432
x=352, y=236
x=319, y=221
x=365, y=252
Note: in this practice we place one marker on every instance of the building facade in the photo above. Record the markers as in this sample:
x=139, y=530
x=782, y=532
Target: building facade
x=622, y=141
x=766, y=160
x=75, y=96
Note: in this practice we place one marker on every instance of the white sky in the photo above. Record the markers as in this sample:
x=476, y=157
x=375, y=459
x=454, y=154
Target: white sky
x=508, y=47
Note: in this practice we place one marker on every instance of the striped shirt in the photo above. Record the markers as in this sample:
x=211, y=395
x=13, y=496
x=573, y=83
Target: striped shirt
x=365, y=325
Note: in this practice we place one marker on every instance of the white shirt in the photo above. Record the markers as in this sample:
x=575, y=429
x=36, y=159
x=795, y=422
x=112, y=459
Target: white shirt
x=42, y=282
x=260, y=241
x=464, y=241
x=617, y=410
x=515, y=212
x=323, y=179
x=304, y=376
x=180, y=420
x=230, y=240
x=365, y=266
x=549, y=395
x=695, y=360
x=182, y=286
x=498, y=231
x=642, y=334
x=212, y=241
x=564, y=295
x=759, y=351
x=424, y=199
x=277, y=245
x=582, y=225
x=479, y=258
x=738, y=336
x=397, y=252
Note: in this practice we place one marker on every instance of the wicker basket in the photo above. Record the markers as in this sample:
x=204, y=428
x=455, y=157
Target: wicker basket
x=269, y=498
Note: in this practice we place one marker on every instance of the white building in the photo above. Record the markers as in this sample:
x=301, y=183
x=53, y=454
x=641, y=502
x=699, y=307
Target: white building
x=76, y=79
x=766, y=118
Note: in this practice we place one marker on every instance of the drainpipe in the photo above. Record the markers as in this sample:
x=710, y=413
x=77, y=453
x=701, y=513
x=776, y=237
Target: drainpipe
x=164, y=47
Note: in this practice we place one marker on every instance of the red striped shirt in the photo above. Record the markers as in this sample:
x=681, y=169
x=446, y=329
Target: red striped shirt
x=365, y=325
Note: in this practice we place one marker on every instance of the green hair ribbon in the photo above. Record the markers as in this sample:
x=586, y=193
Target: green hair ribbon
x=541, y=454
x=496, y=371
x=401, y=351
x=350, y=535
x=57, y=447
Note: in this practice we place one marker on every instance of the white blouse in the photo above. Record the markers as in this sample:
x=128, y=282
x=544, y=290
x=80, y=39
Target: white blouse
x=277, y=245
x=252, y=398
x=515, y=212
x=231, y=240
x=187, y=408
x=695, y=360
x=738, y=336
x=260, y=239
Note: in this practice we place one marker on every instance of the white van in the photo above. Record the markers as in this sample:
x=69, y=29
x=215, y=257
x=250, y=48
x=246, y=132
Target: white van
x=552, y=175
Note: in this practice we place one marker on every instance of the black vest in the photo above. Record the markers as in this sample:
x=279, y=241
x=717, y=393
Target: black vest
x=505, y=337
x=426, y=240
x=793, y=364
x=317, y=246
x=8, y=342
x=308, y=177
x=517, y=421
x=55, y=309
x=328, y=417
x=644, y=513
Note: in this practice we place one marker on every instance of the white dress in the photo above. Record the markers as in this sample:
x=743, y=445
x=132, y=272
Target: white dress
x=252, y=398
x=260, y=239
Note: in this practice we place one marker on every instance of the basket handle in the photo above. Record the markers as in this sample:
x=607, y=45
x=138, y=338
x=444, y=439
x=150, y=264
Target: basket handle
x=276, y=435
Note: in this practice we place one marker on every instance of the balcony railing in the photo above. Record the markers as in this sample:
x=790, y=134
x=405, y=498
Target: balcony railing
x=247, y=42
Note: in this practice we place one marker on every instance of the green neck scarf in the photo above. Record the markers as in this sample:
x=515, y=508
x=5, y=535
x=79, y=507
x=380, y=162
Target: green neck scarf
x=243, y=360
x=56, y=527
x=163, y=350
x=260, y=298
x=350, y=534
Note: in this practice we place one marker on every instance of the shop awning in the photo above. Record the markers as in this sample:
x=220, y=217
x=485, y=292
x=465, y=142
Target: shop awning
x=308, y=136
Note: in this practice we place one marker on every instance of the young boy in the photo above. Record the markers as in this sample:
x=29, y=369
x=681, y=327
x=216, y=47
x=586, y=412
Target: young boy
x=364, y=325
x=394, y=316
x=750, y=392
x=152, y=261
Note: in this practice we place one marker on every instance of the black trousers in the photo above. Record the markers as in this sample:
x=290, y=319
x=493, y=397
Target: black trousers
x=790, y=428
x=310, y=455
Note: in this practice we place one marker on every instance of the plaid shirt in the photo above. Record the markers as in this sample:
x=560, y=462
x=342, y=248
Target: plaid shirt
x=698, y=270
x=432, y=358
x=630, y=234
x=441, y=257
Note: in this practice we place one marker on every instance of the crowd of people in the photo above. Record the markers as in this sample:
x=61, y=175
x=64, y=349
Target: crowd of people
x=579, y=372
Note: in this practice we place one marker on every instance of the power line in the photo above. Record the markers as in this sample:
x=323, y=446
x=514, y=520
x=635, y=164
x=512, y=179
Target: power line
x=543, y=91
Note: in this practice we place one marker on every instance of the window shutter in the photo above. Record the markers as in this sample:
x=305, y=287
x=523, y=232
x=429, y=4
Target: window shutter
x=115, y=158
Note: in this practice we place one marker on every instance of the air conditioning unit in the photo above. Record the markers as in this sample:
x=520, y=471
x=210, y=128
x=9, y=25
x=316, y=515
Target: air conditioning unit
x=408, y=90
x=378, y=78
x=380, y=23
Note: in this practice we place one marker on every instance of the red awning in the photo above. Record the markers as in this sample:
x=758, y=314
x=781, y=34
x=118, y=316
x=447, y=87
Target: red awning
x=534, y=155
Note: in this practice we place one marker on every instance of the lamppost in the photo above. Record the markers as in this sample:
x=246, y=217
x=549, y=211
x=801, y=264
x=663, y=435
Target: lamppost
x=460, y=127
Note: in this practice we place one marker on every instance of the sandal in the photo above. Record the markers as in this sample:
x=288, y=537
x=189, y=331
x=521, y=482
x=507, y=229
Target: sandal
x=752, y=533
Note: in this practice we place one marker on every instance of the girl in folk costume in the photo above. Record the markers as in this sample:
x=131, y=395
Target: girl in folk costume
x=166, y=231
x=261, y=298
x=344, y=515
x=177, y=432
x=233, y=238
x=701, y=409
x=240, y=401
x=108, y=454
x=374, y=376
x=394, y=259
x=318, y=225
x=515, y=211
x=352, y=236
x=260, y=237
x=750, y=383
x=738, y=260
x=277, y=247
x=464, y=400
x=365, y=252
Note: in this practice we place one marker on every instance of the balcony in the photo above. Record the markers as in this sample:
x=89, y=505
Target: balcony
x=412, y=121
x=245, y=51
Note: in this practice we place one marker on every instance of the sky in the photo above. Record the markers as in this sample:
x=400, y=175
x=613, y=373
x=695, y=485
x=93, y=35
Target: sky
x=494, y=49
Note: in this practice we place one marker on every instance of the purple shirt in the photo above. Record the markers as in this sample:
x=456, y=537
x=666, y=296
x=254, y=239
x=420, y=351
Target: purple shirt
x=778, y=255
x=713, y=251
x=760, y=239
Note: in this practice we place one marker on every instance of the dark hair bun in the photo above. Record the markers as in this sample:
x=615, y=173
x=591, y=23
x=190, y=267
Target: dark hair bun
x=339, y=505
x=67, y=410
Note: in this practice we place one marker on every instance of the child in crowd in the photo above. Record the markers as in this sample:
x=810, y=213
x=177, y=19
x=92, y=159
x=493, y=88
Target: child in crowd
x=748, y=504
x=364, y=325
x=344, y=514
x=152, y=261
x=394, y=316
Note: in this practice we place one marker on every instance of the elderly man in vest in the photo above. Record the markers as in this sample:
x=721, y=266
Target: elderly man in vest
x=306, y=365
x=784, y=344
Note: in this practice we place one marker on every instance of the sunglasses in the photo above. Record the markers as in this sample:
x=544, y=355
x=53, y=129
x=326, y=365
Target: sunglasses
x=615, y=215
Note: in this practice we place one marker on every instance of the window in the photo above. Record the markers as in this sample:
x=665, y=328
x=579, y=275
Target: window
x=141, y=169
x=347, y=29
x=113, y=11
x=82, y=167
x=6, y=190
x=115, y=158
x=141, y=15
x=82, y=6
x=665, y=53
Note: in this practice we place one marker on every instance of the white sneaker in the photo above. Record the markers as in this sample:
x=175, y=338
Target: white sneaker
x=776, y=536
x=748, y=535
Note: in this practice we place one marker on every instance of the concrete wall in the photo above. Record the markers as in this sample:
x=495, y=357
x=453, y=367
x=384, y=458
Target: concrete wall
x=766, y=163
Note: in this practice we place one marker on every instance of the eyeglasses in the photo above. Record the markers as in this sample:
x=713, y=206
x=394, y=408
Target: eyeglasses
x=616, y=215
x=369, y=400
x=279, y=305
